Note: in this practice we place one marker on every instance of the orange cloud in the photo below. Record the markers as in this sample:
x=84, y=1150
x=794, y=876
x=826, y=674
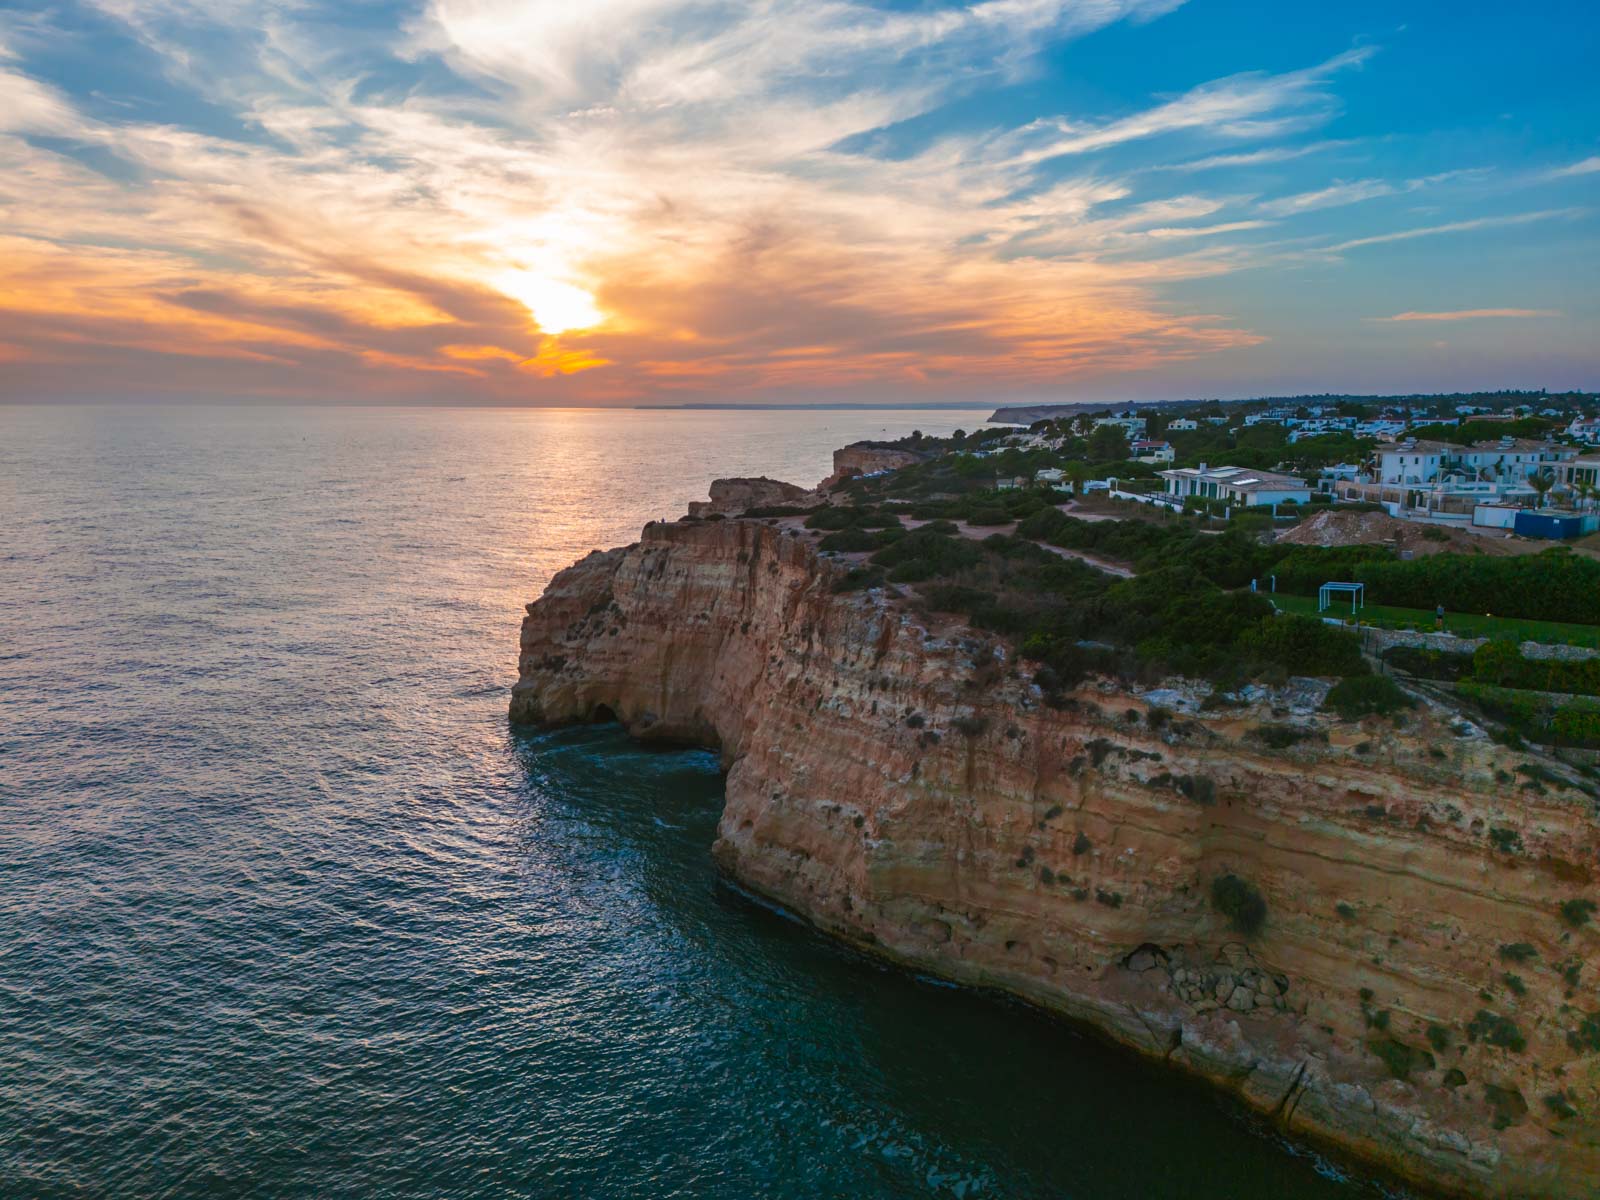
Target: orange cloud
x=683, y=207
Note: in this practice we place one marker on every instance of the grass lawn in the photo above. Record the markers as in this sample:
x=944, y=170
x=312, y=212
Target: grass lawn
x=1464, y=624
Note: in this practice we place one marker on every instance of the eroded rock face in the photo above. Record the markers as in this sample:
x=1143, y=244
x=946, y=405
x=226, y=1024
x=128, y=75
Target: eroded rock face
x=886, y=784
x=731, y=497
x=863, y=458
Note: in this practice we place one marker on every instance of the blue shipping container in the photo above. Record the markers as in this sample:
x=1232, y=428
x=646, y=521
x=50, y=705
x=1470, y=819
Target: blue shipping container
x=1549, y=525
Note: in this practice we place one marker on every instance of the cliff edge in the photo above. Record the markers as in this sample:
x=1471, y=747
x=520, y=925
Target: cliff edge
x=1377, y=937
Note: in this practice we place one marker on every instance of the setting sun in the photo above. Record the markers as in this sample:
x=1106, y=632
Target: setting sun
x=555, y=305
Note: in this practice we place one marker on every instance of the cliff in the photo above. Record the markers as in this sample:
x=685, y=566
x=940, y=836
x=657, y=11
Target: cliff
x=730, y=497
x=868, y=458
x=1411, y=991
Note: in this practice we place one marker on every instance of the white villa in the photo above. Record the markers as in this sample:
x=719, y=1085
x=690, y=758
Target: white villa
x=1182, y=425
x=1237, y=485
x=1147, y=451
x=1585, y=429
x=1510, y=460
x=1131, y=425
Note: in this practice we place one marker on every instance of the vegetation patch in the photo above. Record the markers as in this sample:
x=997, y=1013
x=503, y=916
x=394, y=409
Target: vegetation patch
x=1585, y=1039
x=1496, y=1030
x=1518, y=952
x=1577, y=913
x=1281, y=737
x=1240, y=902
x=1400, y=1058
x=1558, y=1103
x=1507, y=841
x=1367, y=695
x=1507, y=1103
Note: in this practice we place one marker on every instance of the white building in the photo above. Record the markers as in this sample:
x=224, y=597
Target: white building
x=1181, y=425
x=1147, y=451
x=1049, y=475
x=1585, y=470
x=1585, y=429
x=1130, y=425
x=1236, y=485
x=1383, y=428
x=1506, y=461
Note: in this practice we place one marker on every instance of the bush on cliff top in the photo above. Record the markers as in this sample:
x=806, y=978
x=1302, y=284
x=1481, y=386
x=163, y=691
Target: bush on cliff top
x=1363, y=695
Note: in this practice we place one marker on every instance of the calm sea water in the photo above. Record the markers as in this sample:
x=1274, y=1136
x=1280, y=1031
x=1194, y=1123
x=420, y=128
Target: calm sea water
x=287, y=909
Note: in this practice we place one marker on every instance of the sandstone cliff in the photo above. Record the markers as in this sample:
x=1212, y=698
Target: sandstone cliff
x=866, y=458
x=730, y=497
x=1416, y=996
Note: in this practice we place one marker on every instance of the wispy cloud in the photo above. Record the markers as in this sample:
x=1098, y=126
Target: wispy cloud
x=1402, y=235
x=1470, y=314
x=1587, y=166
x=1329, y=197
x=623, y=199
x=1253, y=158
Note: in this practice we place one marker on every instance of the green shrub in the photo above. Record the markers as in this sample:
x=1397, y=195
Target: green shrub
x=858, y=578
x=849, y=541
x=1240, y=902
x=1502, y=664
x=1576, y=913
x=1439, y=1037
x=1429, y=664
x=1496, y=1031
x=1508, y=1105
x=1558, y=1103
x=1281, y=737
x=1305, y=645
x=1367, y=695
x=1400, y=1058
x=1518, y=952
x=1507, y=841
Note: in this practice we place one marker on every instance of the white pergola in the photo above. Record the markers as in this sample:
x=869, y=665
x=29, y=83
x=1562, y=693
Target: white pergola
x=1356, y=591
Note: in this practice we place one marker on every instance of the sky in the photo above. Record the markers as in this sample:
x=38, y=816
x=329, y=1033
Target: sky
x=572, y=202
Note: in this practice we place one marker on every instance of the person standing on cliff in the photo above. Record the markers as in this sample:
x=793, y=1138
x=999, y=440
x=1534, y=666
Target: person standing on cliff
x=1438, y=617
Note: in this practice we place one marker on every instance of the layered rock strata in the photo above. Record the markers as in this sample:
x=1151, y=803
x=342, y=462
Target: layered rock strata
x=1418, y=989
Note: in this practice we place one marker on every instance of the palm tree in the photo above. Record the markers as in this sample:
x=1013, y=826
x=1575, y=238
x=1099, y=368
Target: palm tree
x=1541, y=482
x=1078, y=472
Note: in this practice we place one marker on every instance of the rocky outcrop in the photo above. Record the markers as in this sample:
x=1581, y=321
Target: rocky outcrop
x=730, y=497
x=868, y=458
x=1378, y=937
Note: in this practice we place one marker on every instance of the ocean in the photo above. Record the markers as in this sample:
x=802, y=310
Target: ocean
x=288, y=909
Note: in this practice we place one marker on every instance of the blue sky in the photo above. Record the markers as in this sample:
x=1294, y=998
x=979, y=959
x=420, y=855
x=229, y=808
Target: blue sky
x=635, y=201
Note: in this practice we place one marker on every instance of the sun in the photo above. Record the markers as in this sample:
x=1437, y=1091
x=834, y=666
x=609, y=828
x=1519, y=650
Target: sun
x=556, y=305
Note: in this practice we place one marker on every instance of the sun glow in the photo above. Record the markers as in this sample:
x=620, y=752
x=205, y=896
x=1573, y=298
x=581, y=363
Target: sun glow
x=556, y=305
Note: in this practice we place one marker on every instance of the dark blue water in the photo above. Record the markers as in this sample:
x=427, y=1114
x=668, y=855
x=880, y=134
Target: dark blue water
x=287, y=909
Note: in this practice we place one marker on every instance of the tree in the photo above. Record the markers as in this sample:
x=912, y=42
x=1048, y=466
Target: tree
x=1108, y=443
x=1078, y=472
x=1541, y=482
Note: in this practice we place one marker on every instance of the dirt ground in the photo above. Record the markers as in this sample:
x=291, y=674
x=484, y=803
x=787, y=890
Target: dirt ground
x=1362, y=528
